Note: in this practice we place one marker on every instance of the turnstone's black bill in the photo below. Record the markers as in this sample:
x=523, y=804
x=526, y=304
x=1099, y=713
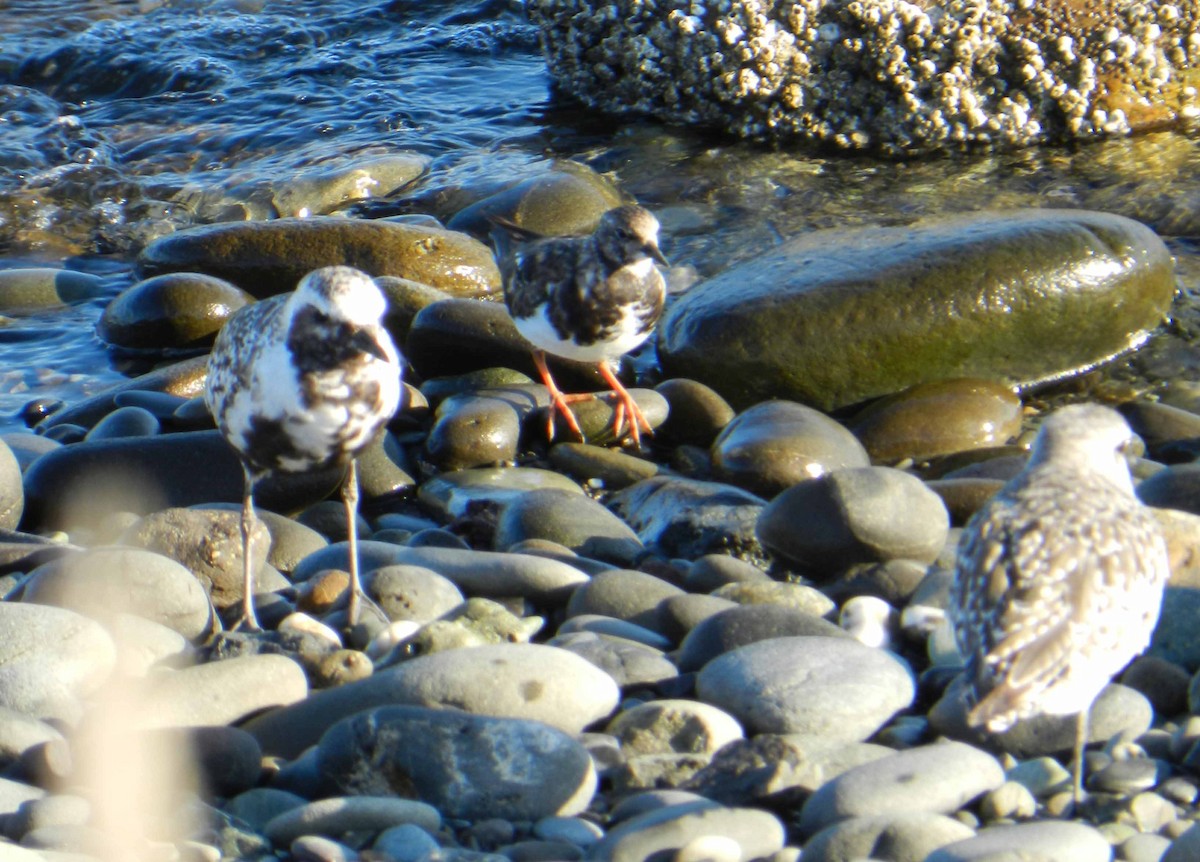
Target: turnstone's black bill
x=303, y=381
x=589, y=298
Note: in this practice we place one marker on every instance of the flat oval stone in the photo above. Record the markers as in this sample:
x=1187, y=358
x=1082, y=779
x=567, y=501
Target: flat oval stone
x=529, y=681
x=862, y=515
x=34, y=288
x=177, y=311
x=468, y=767
x=696, y=413
x=12, y=490
x=938, y=418
x=270, y=257
x=599, y=464
x=655, y=833
x=50, y=660
x=938, y=778
x=412, y=593
x=624, y=594
x=834, y=688
x=776, y=444
x=104, y=582
x=629, y=663
x=747, y=624
x=221, y=692
x=838, y=316
x=125, y=421
x=573, y=520
x=453, y=493
x=473, y=431
x=338, y=815
x=1052, y=840
x=908, y=835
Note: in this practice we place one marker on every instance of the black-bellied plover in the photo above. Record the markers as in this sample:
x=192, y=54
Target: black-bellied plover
x=590, y=298
x=1059, y=578
x=302, y=381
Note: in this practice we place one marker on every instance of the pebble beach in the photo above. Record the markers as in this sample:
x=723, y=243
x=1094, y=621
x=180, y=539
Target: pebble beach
x=729, y=644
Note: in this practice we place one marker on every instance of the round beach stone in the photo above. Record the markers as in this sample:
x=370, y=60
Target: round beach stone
x=599, y=464
x=938, y=779
x=257, y=806
x=834, y=688
x=688, y=518
x=127, y=421
x=673, y=726
x=221, y=692
x=290, y=541
x=747, y=624
x=528, y=681
x=624, y=594
x=938, y=418
x=1049, y=840
x=469, y=767
x=776, y=444
x=34, y=288
x=863, y=515
x=324, y=188
x=270, y=257
x=614, y=628
x=20, y=732
x=696, y=414
x=412, y=593
x=711, y=571
x=573, y=520
x=12, y=493
x=454, y=494
x=338, y=815
x=176, y=311
x=473, y=431
x=629, y=663
x=657, y=832
x=207, y=542
x=50, y=660
x=104, y=582
x=908, y=836
x=838, y=316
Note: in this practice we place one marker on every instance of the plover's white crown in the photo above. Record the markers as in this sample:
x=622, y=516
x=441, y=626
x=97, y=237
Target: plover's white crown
x=1059, y=577
x=342, y=293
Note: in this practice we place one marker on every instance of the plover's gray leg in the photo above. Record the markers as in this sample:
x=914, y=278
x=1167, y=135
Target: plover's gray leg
x=1081, y=735
x=350, y=499
x=249, y=620
x=626, y=407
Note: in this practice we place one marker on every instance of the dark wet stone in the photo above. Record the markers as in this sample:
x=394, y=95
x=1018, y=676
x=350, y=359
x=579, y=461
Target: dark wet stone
x=1177, y=487
x=229, y=760
x=697, y=413
x=499, y=382
x=461, y=764
x=776, y=444
x=573, y=520
x=612, y=469
x=566, y=200
x=473, y=431
x=746, y=624
x=1163, y=683
x=456, y=336
x=863, y=515
x=839, y=316
x=964, y=497
x=454, y=494
x=270, y=257
x=384, y=470
x=125, y=422
x=1171, y=435
x=35, y=288
x=405, y=298
x=688, y=518
x=163, y=405
x=938, y=418
x=595, y=416
x=82, y=483
x=176, y=311
x=893, y=581
x=185, y=379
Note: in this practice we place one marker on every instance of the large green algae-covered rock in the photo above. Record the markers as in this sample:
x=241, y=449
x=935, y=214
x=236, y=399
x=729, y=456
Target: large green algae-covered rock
x=268, y=257
x=836, y=317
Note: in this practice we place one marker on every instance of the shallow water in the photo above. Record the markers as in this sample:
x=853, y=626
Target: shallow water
x=120, y=122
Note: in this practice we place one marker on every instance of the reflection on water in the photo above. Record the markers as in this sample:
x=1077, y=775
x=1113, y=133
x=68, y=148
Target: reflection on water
x=119, y=121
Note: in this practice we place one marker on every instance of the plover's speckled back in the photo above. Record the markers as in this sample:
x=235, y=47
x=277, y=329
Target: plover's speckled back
x=1059, y=577
x=590, y=298
x=302, y=381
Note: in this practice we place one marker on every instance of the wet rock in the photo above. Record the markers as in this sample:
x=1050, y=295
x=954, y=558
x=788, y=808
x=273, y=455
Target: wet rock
x=466, y=766
x=1052, y=840
x=595, y=416
x=836, y=317
x=104, y=582
x=834, y=688
x=938, y=778
x=696, y=414
x=938, y=418
x=405, y=298
x=568, y=199
x=776, y=444
x=324, y=188
x=51, y=659
x=570, y=519
x=80, y=484
x=607, y=468
x=208, y=543
x=688, y=518
x=176, y=311
x=1171, y=435
x=864, y=515
x=454, y=494
x=964, y=497
x=270, y=257
x=290, y=541
x=528, y=681
x=35, y=288
x=125, y=422
x=473, y=431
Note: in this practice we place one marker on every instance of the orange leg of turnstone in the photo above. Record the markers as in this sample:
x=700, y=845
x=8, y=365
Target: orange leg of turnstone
x=558, y=401
x=626, y=406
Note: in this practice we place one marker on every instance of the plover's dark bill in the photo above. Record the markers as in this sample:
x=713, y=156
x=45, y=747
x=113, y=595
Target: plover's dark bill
x=589, y=298
x=303, y=381
x=1059, y=578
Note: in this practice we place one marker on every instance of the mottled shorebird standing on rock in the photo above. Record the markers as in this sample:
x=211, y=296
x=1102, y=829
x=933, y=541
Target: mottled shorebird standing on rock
x=1059, y=578
x=590, y=298
x=304, y=381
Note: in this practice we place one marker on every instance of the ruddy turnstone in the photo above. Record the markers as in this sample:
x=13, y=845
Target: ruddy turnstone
x=590, y=298
x=303, y=381
x=1059, y=578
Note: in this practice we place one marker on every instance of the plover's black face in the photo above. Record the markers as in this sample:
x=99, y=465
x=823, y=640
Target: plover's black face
x=628, y=234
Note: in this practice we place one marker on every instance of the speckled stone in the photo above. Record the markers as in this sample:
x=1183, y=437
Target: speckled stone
x=673, y=726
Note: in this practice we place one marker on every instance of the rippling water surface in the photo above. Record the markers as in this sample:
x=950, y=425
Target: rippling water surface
x=120, y=122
